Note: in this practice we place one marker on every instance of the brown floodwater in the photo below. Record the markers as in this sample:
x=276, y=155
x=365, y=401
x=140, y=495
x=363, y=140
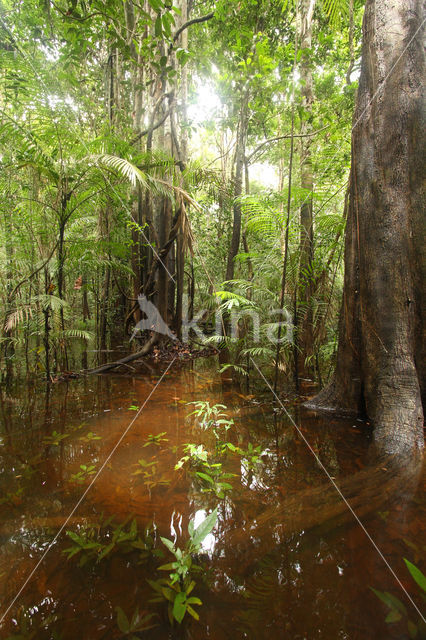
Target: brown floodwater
x=286, y=559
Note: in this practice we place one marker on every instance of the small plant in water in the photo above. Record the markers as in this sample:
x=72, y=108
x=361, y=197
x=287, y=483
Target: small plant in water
x=93, y=544
x=156, y=439
x=195, y=453
x=211, y=475
x=144, y=467
x=89, y=437
x=85, y=472
x=251, y=456
x=212, y=418
x=398, y=611
x=149, y=474
x=55, y=438
x=177, y=588
x=136, y=624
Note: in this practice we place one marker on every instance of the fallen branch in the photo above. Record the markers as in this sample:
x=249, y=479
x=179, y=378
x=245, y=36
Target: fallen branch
x=147, y=348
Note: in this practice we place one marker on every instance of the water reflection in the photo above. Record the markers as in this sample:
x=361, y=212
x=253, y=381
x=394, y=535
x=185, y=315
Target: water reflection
x=286, y=556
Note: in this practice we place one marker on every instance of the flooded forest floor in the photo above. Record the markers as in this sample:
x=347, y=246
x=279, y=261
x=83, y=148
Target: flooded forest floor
x=95, y=471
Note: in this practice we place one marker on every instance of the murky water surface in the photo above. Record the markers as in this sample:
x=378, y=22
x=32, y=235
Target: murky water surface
x=286, y=559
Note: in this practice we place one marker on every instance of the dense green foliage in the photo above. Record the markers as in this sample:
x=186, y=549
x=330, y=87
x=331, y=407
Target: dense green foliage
x=117, y=117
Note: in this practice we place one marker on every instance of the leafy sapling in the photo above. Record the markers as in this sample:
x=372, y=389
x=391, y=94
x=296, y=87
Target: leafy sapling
x=177, y=588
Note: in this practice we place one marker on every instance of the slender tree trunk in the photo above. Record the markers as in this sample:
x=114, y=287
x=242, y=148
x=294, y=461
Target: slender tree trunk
x=180, y=240
x=104, y=231
x=238, y=187
x=46, y=341
x=8, y=346
x=61, y=279
x=381, y=360
x=304, y=336
x=85, y=299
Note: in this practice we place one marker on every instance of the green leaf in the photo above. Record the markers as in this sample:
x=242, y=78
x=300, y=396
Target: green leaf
x=122, y=620
x=416, y=574
x=191, y=526
x=169, y=544
x=158, y=27
x=204, y=528
x=106, y=551
x=390, y=600
x=156, y=4
x=393, y=616
x=205, y=477
x=179, y=607
x=167, y=567
x=192, y=612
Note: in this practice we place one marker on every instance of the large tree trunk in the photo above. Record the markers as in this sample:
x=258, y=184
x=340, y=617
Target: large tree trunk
x=380, y=358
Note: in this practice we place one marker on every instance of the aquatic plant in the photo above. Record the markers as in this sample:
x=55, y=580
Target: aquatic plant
x=212, y=418
x=94, y=543
x=149, y=474
x=90, y=436
x=210, y=474
x=177, y=588
x=398, y=611
x=157, y=439
x=136, y=624
x=251, y=456
x=85, y=472
x=55, y=438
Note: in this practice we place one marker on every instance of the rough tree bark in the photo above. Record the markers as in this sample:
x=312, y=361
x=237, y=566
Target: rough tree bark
x=380, y=359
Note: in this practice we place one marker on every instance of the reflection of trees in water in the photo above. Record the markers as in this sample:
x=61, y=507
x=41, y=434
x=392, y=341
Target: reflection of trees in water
x=283, y=536
x=304, y=563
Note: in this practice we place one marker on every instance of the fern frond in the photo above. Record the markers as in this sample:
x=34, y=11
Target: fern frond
x=78, y=333
x=234, y=300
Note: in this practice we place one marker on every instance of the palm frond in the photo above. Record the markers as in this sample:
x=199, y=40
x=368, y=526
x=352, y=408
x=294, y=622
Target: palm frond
x=16, y=317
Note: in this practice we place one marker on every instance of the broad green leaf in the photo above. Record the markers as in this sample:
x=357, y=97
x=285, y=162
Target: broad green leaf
x=205, y=477
x=169, y=544
x=191, y=526
x=167, y=567
x=393, y=616
x=192, y=612
x=389, y=600
x=204, y=528
x=416, y=574
x=158, y=28
x=179, y=607
x=122, y=620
